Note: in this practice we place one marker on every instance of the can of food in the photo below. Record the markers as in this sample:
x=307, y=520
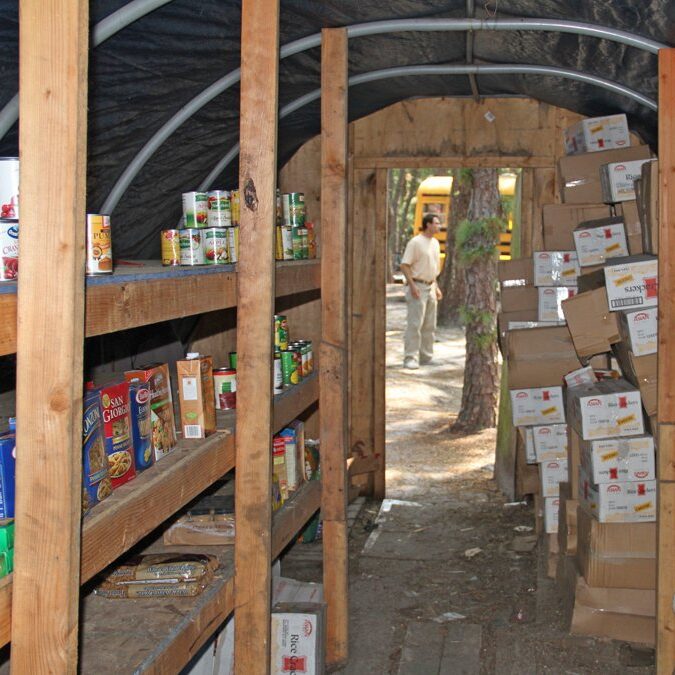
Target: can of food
x=225, y=388
x=280, y=332
x=191, y=247
x=99, y=244
x=9, y=187
x=278, y=244
x=297, y=243
x=233, y=243
x=310, y=355
x=311, y=240
x=289, y=367
x=232, y=358
x=280, y=209
x=9, y=245
x=304, y=236
x=295, y=219
x=285, y=242
x=293, y=203
x=278, y=376
x=219, y=210
x=234, y=207
x=215, y=245
x=304, y=352
x=195, y=209
x=297, y=348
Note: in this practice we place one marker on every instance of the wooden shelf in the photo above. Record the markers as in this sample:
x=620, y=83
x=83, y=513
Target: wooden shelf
x=160, y=636
x=146, y=293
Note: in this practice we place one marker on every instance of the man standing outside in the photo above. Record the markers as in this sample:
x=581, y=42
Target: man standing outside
x=421, y=264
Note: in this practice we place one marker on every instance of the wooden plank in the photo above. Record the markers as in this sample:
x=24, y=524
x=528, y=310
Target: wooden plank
x=380, y=330
x=291, y=403
x=334, y=346
x=255, y=285
x=665, y=634
x=453, y=162
x=137, y=508
x=53, y=60
x=294, y=515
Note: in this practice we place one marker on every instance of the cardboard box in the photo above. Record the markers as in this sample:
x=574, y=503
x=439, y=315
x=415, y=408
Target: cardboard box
x=618, y=180
x=632, y=283
x=539, y=357
x=649, y=216
x=516, y=272
x=560, y=220
x=519, y=299
x=605, y=409
x=579, y=175
x=616, y=555
x=596, y=241
x=596, y=134
x=567, y=521
x=593, y=328
x=574, y=442
x=628, y=211
x=642, y=372
x=537, y=405
x=297, y=638
x=196, y=396
x=619, y=459
x=585, y=375
x=550, y=299
x=550, y=442
x=527, y=439
x=620, y=501
x=555, y=268
x=526, y=475
x=551, y=474
x=551, y=509
x=524, y=325
x=639, y=330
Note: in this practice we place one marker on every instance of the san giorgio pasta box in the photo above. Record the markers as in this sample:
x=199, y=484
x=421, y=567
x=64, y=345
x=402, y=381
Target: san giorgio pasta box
x=141, y=424
x=96, y=484
x=7, y=471
x=117, y=432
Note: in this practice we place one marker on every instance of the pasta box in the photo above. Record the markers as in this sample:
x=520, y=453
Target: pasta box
x=141, y=424
x=7, y=471
x=117, y=432
x=96, y=484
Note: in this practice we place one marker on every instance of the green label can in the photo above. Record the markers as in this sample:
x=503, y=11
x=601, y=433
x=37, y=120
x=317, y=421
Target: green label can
x=280, y=332
x=215, y=245
x=234, y=207
x=233, y=243
x=219, y=211
x=232, y=358
x=195, y=209
x=292, y=203
x=297, y=243
x=278, y=381
x=191, y=247
x=289, y=368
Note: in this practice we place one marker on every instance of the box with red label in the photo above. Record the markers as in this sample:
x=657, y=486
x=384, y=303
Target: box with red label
x=119, y=446
x=597, y=133
x=297, y=638
x=623, y=459
x=585, y=375
x=551, y=474
x=537, y=406
x=550, y=302
x=550, y=442
x=598, y=240
x=618, y=501
x=632, y=283
x=551, y=512
x=618, y=180
x=555, y=268
x=639, y=329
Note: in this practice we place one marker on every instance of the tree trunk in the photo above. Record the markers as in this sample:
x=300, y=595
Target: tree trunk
x=451, y=281
x=479, y=395
x=397, y=184
x=412, y=183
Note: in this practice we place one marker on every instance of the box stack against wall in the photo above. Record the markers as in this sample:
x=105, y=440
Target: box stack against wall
x=583, y=390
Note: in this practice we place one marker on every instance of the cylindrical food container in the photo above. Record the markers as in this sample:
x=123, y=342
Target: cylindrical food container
x=286, y=242
x=232, y=358
x=219, y=211
x=311, y=240
x=297, y=243
x=170, y=247
x=304, y=236
x=234, y=207
x=280, y=332
x=215, y=245
x=310, y=355
x=225, y=388
x=289, y=367
x=278, y=244
x=233, y=243
x=293, y=204
x=9, y=245
x=296, y=348
x=191, y=247
x=278, y=380
x=195, y=209
x=304, y=351
x=9, y=187
x=99, y=245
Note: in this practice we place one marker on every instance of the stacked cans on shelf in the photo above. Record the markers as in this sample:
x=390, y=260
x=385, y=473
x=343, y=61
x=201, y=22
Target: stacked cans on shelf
x=295, y=237
x=293, y=361
x=210, y=232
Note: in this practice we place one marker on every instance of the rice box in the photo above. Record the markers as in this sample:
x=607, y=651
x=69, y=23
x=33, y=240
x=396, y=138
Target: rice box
x=96, y=484
x=141, y=424
x=550, y=442
x=555, y=268
x=7, y=471
x=639, y=329
x=537, y=406
x=119, y=445
x=598, y=240
x=618, y=180
x=550, y=302
x=551, y=474
x=297, y=638
x=596, y=134
x=551, y=511
x=619, y=459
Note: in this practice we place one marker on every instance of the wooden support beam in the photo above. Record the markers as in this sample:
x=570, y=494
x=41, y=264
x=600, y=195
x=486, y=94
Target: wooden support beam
x=333, y=365
x=53, y=50
x=665, y=614
x=255, y=285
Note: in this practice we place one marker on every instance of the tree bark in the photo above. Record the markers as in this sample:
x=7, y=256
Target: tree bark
x=479, y=394
x=397, y=184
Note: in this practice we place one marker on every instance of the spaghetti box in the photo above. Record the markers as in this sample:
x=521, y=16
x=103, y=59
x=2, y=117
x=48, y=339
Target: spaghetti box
x=555, y=268
x=598, y=240
x=605, y=409
x=537, y=406
x=551, y=474
x=618, y=180
x=96, y=484
x=551, y=511
x=7, y=473
x=297, y=638
x=632, y=283
x=550, y=302
x=161, y=405
x=618, y=501
x=196, y=396
x=141, y=424
x=619, y=459
x=639, y=330
x=550, y=442
x=119, y=444
x=596, y=134
x=6, y=534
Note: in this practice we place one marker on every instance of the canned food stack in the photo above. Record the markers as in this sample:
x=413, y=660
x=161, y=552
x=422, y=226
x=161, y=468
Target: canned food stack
x=293, y=360
x=9, y=218
x=295, y=237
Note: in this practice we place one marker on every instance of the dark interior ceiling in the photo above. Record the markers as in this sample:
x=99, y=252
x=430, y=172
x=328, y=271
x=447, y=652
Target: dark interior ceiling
x=142, y=75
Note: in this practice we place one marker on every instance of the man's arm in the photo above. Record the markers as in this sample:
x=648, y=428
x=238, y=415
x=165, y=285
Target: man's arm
x=407, y=273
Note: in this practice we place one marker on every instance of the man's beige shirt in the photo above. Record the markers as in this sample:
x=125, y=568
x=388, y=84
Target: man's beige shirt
x=423, y=254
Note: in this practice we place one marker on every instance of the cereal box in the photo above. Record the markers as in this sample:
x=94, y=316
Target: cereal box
x=141, y=424
x=7, y=471
x=117, y=432
x=96, y=484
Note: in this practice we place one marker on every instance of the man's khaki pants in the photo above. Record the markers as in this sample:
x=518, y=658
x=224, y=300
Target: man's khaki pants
x=418, y=340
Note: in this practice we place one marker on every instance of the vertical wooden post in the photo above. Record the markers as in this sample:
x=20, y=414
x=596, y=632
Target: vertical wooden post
x=379, y=337
x=53, y=51
x=255, y=311
x=333, y=365
x=665, y=638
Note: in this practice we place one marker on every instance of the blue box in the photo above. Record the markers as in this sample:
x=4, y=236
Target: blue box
x=7, y=473
x=141, y=424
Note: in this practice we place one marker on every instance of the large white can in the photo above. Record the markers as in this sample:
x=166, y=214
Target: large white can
x=9, y=187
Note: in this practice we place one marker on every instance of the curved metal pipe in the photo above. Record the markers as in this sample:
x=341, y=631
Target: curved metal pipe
x=459, y=69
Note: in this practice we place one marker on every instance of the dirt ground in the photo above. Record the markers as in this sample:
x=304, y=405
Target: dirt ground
x=441, y=578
